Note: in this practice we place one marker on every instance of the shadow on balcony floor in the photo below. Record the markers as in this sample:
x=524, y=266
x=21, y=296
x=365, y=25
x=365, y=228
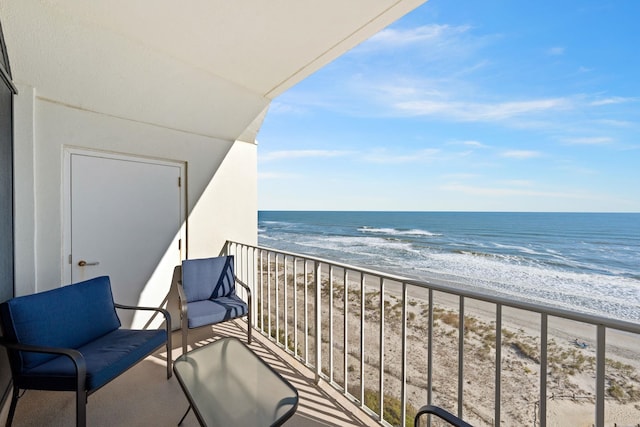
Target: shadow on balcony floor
x=144, y=397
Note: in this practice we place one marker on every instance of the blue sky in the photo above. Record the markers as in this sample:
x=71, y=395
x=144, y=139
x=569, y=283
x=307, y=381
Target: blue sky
x=496, y=105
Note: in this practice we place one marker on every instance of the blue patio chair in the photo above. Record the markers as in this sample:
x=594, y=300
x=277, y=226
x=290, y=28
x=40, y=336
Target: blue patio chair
x=70, y=339
x=207, y=295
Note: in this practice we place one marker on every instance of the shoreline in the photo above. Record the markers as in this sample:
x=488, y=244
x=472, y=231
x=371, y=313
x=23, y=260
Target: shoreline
x=460, y=283
x=523, y=320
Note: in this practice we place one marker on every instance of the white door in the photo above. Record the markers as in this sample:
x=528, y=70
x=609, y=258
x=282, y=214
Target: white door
x=124, y=220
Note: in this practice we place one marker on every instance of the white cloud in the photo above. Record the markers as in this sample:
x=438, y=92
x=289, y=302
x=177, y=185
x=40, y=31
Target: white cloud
x=556, y=51
x=297, y=154
x=592, y=140
x=466, y=111
x=519, y=183
x=570, y=167
x=276, y=175
x=616, y=123
x=285, y=108
x=610, y=101
x=469, y=143
x=521, y=154
x=474, y=144
x=508, y=191
x=461, y=176
x=391, y=37
x=383, y=156
x=408, y=88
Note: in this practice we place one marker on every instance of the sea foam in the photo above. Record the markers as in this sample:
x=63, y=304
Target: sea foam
x=575, y=261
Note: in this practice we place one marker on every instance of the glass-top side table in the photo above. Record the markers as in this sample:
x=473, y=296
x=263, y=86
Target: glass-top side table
x=228, y=385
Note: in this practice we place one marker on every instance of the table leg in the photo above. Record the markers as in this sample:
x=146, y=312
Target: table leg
x=184, y=416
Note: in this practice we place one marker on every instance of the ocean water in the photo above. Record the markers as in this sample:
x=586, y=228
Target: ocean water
x=581, y=261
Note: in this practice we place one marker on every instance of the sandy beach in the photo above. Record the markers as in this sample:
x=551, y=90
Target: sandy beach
x=571, y=355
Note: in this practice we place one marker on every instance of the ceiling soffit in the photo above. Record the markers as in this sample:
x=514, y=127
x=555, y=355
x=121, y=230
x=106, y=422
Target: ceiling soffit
x=145, y=60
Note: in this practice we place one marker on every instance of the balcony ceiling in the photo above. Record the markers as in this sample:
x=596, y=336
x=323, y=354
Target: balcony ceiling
x=226, y=59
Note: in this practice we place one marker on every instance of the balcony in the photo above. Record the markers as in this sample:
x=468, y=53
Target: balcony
x=368, y=348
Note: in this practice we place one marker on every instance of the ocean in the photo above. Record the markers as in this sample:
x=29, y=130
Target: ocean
x=580, y=261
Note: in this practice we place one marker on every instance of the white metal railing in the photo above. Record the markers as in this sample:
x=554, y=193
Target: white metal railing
x=305, y=303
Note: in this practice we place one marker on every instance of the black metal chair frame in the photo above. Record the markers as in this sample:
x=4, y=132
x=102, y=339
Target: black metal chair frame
x=440, y=413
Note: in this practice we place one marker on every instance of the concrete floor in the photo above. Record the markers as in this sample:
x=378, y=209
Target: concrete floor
x=144, y=397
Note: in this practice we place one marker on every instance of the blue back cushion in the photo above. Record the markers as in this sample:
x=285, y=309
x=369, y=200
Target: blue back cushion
x=66, y=317
x=208, y=278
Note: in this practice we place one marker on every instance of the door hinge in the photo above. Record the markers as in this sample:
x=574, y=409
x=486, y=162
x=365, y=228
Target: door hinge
x=179, y=244
x=179, y=181
x=70, y=259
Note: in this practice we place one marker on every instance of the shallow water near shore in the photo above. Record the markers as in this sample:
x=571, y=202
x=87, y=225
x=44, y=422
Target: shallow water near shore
x=580, y=261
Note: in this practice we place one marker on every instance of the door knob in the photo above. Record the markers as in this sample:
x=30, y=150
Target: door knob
x=83, y=263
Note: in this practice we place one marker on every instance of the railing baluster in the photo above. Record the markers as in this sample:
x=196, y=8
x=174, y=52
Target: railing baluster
x=295, y=306
x=381, y=357
x=277, y=296
x=544, y=329
x=600, y=374
x=306, y=313
x=261, y=291
x=403, y=372
x=254, y=288
x=318, y=322
x=498, y=372
x=247, y=270
x=430, y=352
x=286, y=306
x=331, y=324
x=461, y=358
x=269, y=293
x=346, y=331
x=362, y=304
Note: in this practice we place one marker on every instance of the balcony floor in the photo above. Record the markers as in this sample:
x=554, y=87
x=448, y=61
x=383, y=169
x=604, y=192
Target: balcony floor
x=144, y=397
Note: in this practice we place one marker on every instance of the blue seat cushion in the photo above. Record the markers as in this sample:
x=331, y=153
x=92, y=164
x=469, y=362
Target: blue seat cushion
x=66, y=317
x=207, y=278
x=215, y=311
x=106, y=358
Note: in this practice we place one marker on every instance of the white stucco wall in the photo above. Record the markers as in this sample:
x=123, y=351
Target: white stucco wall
x=80, y=63
x=221, y=181
x=24, y=191
x=85, y=86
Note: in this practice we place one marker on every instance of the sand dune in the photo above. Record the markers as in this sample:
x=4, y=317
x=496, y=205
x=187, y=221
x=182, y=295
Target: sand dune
x=571, y=356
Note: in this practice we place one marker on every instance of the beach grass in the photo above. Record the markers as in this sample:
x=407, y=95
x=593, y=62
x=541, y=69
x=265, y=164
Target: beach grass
x=571, y=367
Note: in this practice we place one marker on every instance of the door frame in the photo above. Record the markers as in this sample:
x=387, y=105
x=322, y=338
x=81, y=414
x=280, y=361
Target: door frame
x=66, y=198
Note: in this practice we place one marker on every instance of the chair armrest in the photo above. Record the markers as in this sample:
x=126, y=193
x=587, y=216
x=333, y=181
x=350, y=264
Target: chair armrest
x=442, y=414
x=182, y=299
x=164, y=312
x=182, y=306
x=244, y=285
x=249, y=314
x=76, y=357
x=248, y=289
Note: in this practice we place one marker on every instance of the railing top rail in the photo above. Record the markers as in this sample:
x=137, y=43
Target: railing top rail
x=445, y=287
